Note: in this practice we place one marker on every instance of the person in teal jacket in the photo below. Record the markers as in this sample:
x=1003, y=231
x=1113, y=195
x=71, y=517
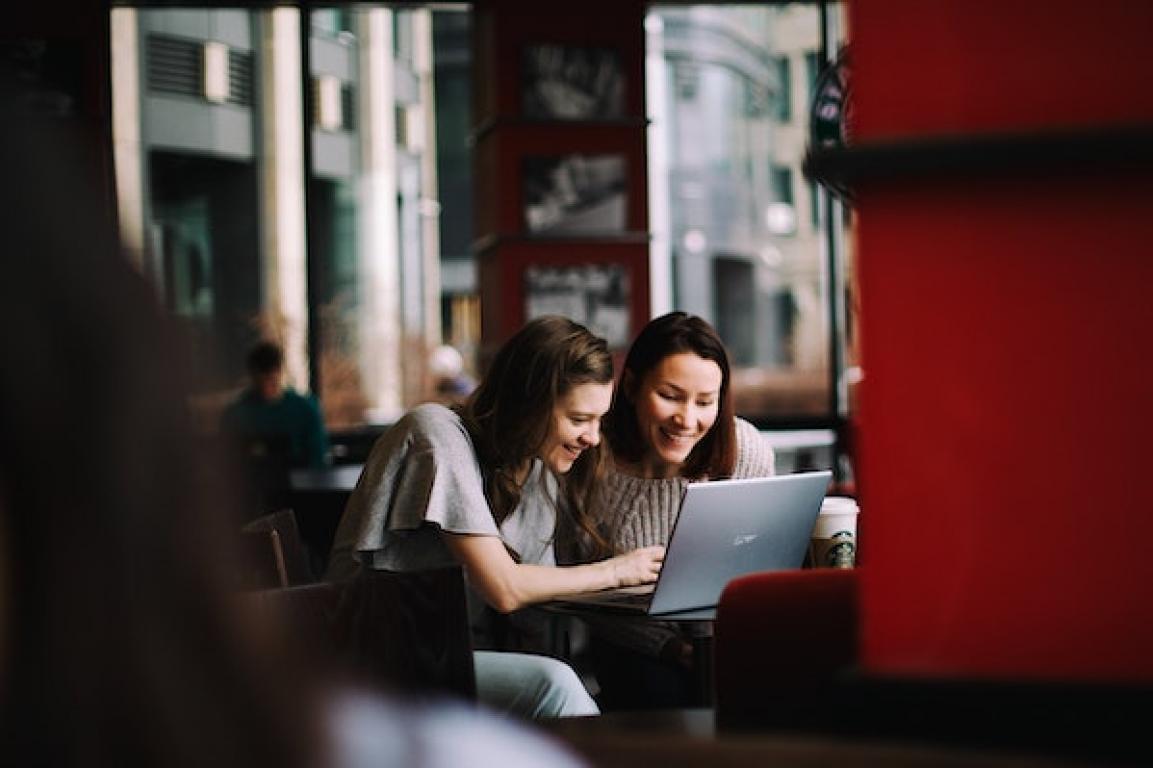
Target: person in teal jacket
x=268, y=410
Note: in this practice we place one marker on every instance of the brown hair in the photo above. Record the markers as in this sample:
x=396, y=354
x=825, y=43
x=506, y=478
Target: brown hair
x=511, y=411
x=265, y=357
x=675, y=333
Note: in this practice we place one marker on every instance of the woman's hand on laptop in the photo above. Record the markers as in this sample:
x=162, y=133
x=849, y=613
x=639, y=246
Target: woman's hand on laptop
x=641, y=566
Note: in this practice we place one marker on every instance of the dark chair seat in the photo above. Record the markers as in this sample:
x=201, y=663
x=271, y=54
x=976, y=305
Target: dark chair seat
x=405, y=632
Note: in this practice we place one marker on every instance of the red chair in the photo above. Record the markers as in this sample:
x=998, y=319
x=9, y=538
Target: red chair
x=782, y=639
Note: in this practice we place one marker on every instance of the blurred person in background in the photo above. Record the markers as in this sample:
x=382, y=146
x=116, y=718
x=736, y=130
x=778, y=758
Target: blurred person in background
x=119, y=641
x=268, y=409
x=451, y=385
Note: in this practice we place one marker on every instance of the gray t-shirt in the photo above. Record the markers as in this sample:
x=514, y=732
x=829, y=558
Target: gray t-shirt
x=422, y=477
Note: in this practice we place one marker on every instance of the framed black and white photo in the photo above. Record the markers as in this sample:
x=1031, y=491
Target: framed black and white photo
x=565, y=82
x=574, y=194
x=594, y=295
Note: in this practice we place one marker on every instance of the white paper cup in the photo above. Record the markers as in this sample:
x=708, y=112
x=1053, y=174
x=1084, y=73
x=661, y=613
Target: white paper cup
x=834, y=539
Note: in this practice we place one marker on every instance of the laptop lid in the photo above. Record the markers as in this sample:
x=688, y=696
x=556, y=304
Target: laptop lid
x=729, y=528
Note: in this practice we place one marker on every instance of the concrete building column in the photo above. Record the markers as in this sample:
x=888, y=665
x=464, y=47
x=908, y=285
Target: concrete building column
x=380, y=326
x=282, y=179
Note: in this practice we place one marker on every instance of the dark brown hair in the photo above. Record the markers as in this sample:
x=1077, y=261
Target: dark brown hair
x=120, y=645
x=264, y=358
x=675, y=333
x=511, y=411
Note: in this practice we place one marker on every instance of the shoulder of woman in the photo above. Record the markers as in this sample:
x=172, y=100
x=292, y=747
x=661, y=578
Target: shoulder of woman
x=745, y=430
x=433, y=422
x=428, y=430
x=754, y=452
x=431, y=415
x=749, y=436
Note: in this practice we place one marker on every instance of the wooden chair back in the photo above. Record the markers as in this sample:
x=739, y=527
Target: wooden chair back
x=406, y=632
x=290, y=558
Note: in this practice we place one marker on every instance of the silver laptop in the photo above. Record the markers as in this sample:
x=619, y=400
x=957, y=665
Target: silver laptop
x=725, y=529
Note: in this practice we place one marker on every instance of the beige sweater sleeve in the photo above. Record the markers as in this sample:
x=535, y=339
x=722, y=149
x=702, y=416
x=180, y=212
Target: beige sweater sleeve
x=755, y=457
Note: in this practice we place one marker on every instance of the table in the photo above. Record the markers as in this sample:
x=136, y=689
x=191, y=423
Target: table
x=318, y=497
x=689, y=738
x=336, y=479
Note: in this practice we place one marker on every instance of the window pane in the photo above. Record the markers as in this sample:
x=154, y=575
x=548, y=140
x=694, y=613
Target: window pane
x=744, y=246
x=374, y=211
x=303, y=209
x=189, y=162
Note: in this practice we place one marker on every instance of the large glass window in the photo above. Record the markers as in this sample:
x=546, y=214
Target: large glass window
x=309, y=178
x=278, y=176
x=741, y=242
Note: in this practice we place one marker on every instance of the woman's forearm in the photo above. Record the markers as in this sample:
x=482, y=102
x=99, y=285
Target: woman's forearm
x=509, y=586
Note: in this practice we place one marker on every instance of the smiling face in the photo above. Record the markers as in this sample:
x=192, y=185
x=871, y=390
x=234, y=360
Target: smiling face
x=576, y=425
x=676, y=405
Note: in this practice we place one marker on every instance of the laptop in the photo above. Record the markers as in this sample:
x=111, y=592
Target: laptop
x=725, y=529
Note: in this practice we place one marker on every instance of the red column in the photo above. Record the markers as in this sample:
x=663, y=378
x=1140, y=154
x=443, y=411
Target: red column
x=1006, y=310
x=507, y=136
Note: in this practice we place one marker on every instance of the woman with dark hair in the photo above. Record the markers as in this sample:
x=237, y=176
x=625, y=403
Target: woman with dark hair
x=483, y=486
x=120, y=640
x=671, y=422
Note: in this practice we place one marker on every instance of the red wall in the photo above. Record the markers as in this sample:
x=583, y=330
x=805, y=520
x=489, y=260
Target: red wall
x=1005, y=324
x=503, y=138
x=956, y=66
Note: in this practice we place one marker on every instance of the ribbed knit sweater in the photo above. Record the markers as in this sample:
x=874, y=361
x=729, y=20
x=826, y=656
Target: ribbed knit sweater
x=642, y=513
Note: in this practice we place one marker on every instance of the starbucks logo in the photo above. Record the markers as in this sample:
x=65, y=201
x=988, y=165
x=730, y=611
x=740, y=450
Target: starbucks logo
x=842, y=550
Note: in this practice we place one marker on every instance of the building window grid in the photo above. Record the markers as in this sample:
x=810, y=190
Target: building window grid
x=174, y=66
x=347, y=106
x=784, y=101
x=240, y=78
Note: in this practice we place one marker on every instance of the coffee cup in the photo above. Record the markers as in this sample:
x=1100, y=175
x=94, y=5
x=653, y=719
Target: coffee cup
x=834, y=539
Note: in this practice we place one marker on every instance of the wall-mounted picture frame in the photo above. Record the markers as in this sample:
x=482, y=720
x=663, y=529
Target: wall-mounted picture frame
x=568, y=82
x=575, y=194
x=595, y=295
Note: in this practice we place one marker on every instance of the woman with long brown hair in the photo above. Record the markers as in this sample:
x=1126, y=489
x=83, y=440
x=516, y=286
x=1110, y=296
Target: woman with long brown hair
x=487, y=486
x=672, y=422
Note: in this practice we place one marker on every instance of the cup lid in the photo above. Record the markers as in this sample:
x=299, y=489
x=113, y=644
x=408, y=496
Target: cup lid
x=839, y=505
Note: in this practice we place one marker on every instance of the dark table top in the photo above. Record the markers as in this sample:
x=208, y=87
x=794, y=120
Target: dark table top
x=689, y=738
x=339, y=479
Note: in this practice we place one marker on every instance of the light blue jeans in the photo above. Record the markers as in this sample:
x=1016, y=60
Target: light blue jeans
x=530, y=686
